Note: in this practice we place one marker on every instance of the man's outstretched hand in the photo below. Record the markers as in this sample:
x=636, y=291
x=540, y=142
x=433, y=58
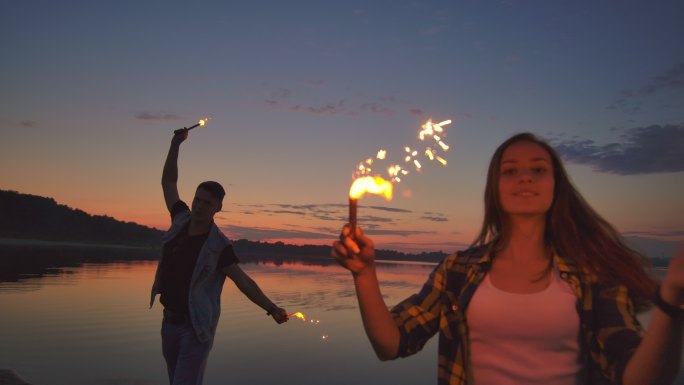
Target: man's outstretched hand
x=279, y=315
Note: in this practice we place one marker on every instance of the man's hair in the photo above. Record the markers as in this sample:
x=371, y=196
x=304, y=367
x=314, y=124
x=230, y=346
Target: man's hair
x=214, y=188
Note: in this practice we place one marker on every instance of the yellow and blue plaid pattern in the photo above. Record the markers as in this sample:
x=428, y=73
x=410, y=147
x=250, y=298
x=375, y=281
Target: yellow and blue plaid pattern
x=609, y=329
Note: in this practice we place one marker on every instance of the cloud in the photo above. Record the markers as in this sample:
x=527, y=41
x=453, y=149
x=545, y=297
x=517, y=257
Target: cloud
x=377, y=108
x=311, y=206
x=390, y=209
x=281, y=93
x=631, y=100
x=314, y=82
x=153, y=116
x=284, y=212
x=28, y=124
x=642, y=150
x=328, y=211
x=328, y=109
x=374, y=219
x=658, y=233
x=349, y=104
x=259, y=233
x=434, y=219
x=405, y=233
x=334, y=213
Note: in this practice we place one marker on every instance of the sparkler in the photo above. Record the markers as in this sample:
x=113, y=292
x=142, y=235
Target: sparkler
x=367, y=184
x=202, y=122
x=298, y=315
x=314, y=322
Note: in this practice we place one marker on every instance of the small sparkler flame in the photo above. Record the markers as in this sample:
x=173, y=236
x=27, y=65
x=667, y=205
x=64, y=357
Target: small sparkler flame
x=366, y=184
x=201, y=122
x=373, y=185
x=298, y=315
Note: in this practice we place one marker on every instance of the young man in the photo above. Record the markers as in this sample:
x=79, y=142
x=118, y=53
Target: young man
x=196, y=258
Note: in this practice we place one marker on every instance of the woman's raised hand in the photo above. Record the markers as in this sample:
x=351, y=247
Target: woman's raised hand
x=354, y=253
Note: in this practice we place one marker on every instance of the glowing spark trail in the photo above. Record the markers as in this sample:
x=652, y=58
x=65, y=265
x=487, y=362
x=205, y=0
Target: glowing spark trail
x=365, y=181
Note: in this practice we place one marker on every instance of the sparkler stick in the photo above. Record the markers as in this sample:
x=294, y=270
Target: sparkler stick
x=202, y=122
x=353, y=203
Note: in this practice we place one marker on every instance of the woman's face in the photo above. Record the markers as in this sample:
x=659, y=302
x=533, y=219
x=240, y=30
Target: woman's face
x=526, y=182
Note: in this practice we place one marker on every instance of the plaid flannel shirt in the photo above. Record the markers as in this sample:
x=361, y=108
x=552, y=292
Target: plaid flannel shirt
x=609, y=330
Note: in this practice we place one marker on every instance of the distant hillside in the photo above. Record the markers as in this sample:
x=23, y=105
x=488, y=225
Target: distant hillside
x=27, y=216
x=24, y=216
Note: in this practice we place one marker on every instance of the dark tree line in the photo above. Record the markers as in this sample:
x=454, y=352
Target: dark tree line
x=283, y=250
x=34, y=217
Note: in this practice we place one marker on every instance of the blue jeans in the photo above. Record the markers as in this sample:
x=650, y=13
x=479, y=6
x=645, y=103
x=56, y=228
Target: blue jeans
x=186, y=357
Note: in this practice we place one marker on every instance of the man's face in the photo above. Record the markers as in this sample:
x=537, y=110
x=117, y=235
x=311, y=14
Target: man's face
x=205, y=205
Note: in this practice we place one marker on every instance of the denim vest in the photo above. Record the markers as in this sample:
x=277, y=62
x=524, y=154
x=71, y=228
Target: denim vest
x=204, y=301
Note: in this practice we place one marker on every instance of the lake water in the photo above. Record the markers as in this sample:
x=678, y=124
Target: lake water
x=89, y=323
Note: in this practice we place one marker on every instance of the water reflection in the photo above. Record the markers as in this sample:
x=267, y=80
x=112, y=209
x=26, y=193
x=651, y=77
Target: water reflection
x=22, y=260
x=80, y=316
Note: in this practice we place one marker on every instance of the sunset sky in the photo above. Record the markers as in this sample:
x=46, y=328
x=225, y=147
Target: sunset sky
x=298, y=92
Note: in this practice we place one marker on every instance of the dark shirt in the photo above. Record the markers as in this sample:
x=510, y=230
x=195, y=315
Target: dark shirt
x=179, y=257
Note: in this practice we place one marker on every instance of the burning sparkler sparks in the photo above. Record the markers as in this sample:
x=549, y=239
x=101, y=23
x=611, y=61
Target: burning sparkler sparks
x=413, y=156
x=364, y=181
x=436, y=132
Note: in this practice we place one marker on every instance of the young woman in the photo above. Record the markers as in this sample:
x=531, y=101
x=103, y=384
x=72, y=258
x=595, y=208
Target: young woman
x=547, y=294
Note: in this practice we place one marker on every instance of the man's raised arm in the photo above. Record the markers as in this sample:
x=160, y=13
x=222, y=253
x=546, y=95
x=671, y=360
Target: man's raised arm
x=170, y=174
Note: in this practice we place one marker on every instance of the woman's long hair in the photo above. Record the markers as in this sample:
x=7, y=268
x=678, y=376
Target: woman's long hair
x=573, y=229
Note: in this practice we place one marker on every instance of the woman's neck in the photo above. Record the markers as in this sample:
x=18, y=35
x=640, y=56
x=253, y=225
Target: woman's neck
x=525, y=241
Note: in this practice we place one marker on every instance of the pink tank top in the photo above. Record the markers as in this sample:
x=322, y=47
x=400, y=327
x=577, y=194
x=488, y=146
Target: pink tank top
x=524, y=338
